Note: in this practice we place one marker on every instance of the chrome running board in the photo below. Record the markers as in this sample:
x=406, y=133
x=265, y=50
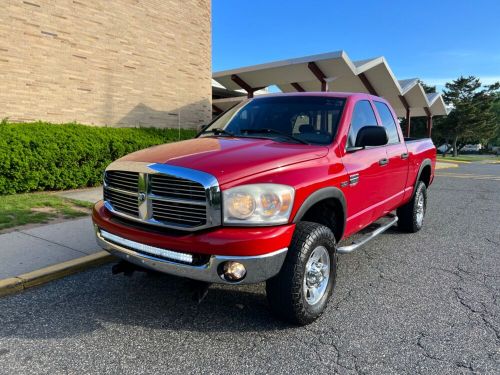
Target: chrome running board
x=357, y=243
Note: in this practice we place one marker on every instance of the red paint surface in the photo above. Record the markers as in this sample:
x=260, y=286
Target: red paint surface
x=236, y=161
x=219, y=241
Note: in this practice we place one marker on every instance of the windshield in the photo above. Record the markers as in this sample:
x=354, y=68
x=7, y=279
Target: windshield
x=296, y=119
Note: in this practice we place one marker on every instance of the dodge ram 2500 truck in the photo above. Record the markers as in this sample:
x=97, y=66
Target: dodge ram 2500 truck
x=266, y=192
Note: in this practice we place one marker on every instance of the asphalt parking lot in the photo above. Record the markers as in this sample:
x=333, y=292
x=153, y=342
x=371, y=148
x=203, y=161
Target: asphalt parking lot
x=422, y=303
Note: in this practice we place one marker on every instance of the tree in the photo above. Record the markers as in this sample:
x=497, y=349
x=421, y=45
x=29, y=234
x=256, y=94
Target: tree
x=427, y=89
x=495, y=140
x=472, y=118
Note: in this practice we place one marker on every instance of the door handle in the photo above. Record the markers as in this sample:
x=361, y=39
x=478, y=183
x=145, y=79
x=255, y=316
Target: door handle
x=404, y=155
x=383, y=161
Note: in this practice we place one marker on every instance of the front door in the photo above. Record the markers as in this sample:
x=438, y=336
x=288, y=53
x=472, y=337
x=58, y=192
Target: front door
x=367, y=171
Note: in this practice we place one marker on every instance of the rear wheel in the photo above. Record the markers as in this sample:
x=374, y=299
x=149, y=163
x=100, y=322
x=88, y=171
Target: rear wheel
x=300, y=292
x=411, y=215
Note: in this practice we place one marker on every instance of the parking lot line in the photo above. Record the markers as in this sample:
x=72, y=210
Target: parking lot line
x=470, y=176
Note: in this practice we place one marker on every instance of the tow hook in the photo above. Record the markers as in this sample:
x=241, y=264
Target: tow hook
x=199, y=290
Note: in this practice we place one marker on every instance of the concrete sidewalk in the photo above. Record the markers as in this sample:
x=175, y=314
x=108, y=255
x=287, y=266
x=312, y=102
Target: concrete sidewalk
x=91, y=195
x=31, y=249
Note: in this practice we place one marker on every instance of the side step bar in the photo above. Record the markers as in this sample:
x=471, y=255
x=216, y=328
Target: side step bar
x=357, y=243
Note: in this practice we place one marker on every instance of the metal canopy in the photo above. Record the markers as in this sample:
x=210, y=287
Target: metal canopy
x=336, y=72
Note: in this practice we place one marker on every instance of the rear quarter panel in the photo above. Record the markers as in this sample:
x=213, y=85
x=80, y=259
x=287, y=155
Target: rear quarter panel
x=419, y=150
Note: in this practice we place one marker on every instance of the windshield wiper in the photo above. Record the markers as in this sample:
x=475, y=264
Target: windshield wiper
x=218, y=131
x=274, y=131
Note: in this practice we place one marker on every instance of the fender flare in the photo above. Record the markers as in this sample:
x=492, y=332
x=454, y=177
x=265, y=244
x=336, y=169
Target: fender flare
x=320, y=195
x=425, y=163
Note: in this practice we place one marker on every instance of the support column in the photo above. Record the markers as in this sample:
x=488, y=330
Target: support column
x=429, y=121
x=408, y=122
x=319, y=75
x=245, y=86
x=408, y=118
x=297, y=86
x=369, y=87
x=216, y=109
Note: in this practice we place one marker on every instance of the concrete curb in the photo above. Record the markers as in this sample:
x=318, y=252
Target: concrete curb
x=440, y=165
x=27, y=280
x=450, y=160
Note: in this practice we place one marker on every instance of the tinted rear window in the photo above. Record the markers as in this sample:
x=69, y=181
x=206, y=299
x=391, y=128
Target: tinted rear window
x=388, y=122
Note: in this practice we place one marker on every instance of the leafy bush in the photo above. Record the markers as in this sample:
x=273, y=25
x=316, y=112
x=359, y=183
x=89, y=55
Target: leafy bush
x=44, y=156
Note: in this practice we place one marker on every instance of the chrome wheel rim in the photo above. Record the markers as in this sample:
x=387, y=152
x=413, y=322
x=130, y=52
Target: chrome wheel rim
x=420, y=209
x=316, y=275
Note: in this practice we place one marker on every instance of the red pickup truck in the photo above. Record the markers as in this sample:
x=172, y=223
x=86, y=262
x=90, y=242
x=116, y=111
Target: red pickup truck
x=265, y=193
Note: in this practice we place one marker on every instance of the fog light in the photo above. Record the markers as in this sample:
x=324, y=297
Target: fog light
x=234, y=271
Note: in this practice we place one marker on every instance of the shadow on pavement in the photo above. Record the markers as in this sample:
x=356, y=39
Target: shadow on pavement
x=95, y=300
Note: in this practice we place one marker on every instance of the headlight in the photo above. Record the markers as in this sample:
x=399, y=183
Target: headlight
x=258, y=204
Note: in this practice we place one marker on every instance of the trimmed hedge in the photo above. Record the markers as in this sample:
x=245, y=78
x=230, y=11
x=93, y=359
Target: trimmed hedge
x=44, y=156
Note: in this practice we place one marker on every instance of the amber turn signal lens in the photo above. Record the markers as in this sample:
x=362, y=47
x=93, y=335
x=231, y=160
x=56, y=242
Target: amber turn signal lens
x=271, y=204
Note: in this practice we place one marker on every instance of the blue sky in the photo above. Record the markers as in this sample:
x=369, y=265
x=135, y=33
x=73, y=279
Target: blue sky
x=434, y=40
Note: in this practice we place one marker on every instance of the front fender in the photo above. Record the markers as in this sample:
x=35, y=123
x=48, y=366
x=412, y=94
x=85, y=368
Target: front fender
x=320, y=195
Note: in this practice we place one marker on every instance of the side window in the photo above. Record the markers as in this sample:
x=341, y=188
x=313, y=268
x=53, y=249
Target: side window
x=388, y=122
x=362, y=115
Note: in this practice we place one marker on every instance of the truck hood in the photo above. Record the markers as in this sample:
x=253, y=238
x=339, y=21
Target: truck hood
x=228, y=158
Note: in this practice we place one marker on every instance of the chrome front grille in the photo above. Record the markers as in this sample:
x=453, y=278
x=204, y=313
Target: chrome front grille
x=162, y=195
x=180, y=213
x=125, y=203
x=169, y=186
x=124, y=180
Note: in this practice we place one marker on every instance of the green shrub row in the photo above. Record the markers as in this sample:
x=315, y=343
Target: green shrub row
x=43, y=156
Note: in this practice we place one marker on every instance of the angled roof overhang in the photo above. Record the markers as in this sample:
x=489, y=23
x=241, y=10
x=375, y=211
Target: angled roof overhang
x=222, y=105
x=335, y=71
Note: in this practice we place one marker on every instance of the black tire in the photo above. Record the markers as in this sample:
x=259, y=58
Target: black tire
x=285, y=291
x=408, y=214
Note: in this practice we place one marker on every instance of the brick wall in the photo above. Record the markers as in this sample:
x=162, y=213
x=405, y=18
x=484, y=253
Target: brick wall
x=106, y=62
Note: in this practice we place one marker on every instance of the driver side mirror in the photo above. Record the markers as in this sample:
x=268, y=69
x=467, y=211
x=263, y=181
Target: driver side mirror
x=371, y=136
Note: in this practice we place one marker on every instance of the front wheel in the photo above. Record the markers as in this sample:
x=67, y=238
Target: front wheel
x=411, y=215
x=301, y=290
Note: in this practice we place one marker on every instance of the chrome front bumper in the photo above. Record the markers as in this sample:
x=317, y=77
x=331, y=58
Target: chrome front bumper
x=259, y=268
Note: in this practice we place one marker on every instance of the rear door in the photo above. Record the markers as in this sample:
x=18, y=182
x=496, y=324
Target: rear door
x=397, y=158
x=364, y=188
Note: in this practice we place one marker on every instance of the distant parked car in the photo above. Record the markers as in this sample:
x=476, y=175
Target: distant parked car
x=444, y=147
x=470, y=148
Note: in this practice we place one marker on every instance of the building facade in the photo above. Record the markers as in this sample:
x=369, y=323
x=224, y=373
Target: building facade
x=106, y=62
